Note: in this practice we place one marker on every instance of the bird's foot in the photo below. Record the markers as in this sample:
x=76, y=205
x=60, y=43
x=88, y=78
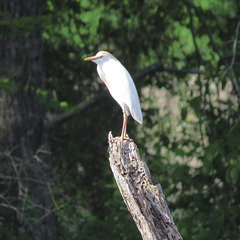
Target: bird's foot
x=122, y=140
x=117, y=139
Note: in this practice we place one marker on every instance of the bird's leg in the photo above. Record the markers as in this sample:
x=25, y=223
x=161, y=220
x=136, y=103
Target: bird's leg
x=124, y=127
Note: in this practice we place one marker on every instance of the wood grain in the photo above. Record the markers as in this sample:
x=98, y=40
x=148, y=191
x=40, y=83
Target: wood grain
x=144, y=200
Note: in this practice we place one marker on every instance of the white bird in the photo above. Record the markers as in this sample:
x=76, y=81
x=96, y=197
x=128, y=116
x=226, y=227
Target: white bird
x=120, y=85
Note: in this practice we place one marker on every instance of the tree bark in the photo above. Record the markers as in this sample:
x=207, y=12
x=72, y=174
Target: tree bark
x=25, y=173
x=145, y=201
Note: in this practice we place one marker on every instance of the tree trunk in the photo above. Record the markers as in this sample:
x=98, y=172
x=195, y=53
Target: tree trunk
x=25, y=173
x=145, y=201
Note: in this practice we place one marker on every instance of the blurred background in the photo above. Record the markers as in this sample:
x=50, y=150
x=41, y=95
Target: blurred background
x=55, y=179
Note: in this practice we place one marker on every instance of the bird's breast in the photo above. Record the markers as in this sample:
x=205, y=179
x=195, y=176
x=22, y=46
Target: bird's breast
x=103, y=77
x=111, y=73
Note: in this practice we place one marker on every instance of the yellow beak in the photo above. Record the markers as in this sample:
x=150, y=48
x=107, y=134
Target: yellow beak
x=91, y=58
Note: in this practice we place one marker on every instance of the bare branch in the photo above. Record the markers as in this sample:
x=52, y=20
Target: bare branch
x=158, y=67
x=54, y=119
x=230, y=68
x=198, y=55
x=235, y=43
x=182, y=71
x=201, y=18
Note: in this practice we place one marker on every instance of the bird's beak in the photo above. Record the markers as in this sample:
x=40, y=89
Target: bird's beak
x=91, y=58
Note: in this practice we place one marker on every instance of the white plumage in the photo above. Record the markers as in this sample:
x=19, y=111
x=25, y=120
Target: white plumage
x=120, y=85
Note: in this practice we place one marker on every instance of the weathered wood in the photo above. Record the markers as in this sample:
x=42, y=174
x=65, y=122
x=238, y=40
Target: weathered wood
x=145, y=201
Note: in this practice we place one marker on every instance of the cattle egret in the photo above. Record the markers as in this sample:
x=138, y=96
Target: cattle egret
x=120, y=85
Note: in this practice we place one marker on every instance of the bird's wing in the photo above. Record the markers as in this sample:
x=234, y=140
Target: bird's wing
x=122, y=88
x=133, y=100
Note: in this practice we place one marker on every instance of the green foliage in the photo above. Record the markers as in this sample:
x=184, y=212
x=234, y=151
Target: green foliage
x=22, y=26
x=6, y=234
x=7, y=85
x=190, y=136
x=191, y=130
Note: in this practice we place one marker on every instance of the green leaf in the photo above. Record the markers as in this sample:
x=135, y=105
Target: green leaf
x=7, y=85
x=195, y=103
x=42, y=94
x=63, y=104
x=184, y=112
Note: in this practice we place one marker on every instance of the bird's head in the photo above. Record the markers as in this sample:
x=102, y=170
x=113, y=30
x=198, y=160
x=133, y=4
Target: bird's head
x=101, y=57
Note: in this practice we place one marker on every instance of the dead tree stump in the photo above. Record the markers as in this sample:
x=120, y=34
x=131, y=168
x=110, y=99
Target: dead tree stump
x=145, y=201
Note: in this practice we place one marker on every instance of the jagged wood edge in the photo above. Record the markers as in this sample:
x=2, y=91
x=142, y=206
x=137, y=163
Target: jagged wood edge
x=145, y=201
